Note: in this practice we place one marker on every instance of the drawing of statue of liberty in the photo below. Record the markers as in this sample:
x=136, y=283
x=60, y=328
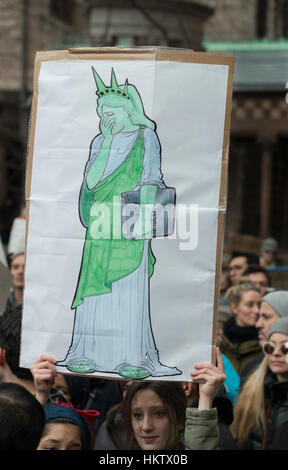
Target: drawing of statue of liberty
x=112, y=330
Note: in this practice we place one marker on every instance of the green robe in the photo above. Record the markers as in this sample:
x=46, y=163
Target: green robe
x=107, y=259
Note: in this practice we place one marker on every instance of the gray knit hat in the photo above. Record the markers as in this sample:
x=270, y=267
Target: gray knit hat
x=269, y=244
x=278, y=300
x=279, y=326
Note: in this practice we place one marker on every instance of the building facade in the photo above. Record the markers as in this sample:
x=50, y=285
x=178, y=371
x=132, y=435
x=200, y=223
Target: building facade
x=170, y=23
x=257, y=190
x=255, y=31
x=26, y=26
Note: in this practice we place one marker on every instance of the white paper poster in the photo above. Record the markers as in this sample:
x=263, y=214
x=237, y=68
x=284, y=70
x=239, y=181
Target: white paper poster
x=126, y=178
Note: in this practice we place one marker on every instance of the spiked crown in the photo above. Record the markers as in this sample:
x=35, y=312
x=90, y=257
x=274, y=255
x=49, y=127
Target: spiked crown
x=114, y=89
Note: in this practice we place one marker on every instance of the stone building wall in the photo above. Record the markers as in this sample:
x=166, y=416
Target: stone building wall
x=233, y=20
x=236, y=20
x=10, y=44
x=45, y=32
x=27, y=26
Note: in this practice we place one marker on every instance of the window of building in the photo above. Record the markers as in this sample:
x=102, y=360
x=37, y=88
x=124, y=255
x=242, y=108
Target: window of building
x=280, y=19
x=261, y=18
x=62, y=9
x=285, y=18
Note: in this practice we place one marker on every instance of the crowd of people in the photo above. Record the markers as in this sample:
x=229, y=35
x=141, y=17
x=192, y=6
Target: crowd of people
x=238, y=403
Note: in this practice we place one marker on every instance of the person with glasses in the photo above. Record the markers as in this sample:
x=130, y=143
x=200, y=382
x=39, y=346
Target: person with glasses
x=274, y=305
x=261, y=410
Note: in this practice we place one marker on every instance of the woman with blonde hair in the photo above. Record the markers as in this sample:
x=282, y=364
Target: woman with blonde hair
x=261, y=411
x=240, y=337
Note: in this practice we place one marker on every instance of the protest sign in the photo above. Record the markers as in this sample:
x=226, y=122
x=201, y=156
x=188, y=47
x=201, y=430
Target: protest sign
x=126, y=198
x=5, y=279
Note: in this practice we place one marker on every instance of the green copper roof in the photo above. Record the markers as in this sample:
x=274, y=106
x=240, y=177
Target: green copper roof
x=259, y=65
x=233, y=46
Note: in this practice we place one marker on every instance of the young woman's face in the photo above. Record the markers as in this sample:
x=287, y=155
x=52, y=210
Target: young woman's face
x=150, y=420
x=277, y=360
x=246, y=312
x=60, y=436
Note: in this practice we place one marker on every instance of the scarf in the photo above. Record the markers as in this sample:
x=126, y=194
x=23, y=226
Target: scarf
x=239, y=334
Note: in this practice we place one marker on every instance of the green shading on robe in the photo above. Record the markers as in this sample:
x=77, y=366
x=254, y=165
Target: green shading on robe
x=107, y=259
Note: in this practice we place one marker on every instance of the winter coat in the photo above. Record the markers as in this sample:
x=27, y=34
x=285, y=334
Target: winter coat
x=250, y=367
x=201, y=429
x=112, y=434
x=224, y=407
x=274, y=436
x=232, y=381
x=239, y=344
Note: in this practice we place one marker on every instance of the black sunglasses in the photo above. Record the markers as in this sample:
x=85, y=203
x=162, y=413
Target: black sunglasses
x=269, y=348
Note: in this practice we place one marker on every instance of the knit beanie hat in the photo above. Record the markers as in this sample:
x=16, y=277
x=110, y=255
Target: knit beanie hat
x=59, y=411
x=278, y=300
x=279, y=326
x=269, y=244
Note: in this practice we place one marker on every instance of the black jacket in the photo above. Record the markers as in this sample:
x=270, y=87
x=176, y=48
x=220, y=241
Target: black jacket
x=276, y=394
x=239, y=344
x=250, y=367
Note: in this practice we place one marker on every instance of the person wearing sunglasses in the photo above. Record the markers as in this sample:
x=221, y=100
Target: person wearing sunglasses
x=274, y=305
x=261, y=410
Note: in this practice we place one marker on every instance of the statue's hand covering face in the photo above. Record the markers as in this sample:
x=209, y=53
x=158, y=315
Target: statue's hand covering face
x=115, y=119
x=124, y=97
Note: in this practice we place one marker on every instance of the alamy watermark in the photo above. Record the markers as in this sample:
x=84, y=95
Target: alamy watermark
x=136, y=222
